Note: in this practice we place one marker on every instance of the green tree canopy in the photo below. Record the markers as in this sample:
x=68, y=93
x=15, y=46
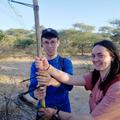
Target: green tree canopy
x=83, y=27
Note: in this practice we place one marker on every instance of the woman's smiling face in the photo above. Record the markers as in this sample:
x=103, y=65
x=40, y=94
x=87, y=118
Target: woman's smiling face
x=101, y=58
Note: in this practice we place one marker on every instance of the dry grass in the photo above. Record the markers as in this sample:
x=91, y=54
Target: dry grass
x=14, y=70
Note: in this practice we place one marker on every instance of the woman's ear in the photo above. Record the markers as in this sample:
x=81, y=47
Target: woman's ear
x=112, y=59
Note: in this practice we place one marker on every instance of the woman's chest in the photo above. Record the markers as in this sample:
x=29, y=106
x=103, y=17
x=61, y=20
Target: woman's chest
x=95, y=97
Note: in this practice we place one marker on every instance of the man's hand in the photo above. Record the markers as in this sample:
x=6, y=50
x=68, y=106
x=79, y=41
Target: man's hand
x=43, y=78
x=40, y=93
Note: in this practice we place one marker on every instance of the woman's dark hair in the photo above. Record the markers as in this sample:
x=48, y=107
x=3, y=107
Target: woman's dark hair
x=115, y=64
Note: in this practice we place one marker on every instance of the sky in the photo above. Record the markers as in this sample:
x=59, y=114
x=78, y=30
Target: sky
x=59, y=14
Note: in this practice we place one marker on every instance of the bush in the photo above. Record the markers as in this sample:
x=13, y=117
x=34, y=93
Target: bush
x=23, y=43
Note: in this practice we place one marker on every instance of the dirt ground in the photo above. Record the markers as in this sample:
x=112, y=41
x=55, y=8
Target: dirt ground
x=14, y=70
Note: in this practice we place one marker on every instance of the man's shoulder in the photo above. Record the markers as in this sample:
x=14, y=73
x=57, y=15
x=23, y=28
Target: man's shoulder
x=65, y=62
x=65, y=58
x=33, y=64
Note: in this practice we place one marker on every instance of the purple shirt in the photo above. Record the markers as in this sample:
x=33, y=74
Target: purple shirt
x=109, y=106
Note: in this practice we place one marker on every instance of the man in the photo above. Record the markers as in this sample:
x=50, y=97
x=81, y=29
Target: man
x=56, y=97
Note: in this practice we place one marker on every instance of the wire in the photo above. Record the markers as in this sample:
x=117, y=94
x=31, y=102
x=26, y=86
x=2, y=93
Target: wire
x=27, y=79
x=4, y=9
x=18, y=16
x=32, y=78
x=31, y=90
x=26, y=4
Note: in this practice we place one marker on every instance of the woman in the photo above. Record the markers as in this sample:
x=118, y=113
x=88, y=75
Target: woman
x=103, y=81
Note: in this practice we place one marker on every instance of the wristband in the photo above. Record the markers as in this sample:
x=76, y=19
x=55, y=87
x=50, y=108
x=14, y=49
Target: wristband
x=57, y=113
x=56, y=116
x=47, y=68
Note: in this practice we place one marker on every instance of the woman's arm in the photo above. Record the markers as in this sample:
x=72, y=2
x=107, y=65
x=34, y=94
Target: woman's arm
x=43, y=65
x=49, y=112
x=66, y=78
x=70, y=116
x=60, y=76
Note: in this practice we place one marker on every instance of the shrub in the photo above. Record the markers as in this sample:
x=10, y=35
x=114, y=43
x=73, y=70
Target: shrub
x=23, y=43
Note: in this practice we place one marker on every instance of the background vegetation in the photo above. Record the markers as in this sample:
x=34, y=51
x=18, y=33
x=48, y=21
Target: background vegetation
x=76, y=40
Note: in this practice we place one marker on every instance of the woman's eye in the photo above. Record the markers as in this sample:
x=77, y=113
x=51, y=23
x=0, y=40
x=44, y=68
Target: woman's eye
x=101, y=56
x=93, y=56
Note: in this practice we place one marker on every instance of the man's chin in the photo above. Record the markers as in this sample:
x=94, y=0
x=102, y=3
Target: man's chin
x=51, y=55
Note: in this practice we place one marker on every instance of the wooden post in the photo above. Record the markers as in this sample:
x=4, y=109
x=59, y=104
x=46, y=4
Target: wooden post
x=37, y=27
x=38, y=36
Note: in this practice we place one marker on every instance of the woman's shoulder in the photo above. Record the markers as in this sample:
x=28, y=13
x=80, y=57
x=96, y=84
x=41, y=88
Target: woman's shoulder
x=114, y=89
x=115, y=84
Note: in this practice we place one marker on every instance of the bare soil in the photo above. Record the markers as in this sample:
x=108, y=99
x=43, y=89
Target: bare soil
x=14, y=70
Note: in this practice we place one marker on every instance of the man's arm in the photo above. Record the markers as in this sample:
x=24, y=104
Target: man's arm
x=33, y=80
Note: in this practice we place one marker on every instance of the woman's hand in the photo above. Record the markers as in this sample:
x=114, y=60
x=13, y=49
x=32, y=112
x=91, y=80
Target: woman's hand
x=54, y=82
x=42, y=63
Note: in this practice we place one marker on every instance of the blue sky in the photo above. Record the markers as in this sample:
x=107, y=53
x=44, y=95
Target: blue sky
x=59, y=14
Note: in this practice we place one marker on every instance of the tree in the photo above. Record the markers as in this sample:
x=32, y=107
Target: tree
x=83, y=27
x=23, y=43
x=18, y=33
x=115, y=23
x=2, y=36
x=116, y=35
x=116, y=31
x=105, y=31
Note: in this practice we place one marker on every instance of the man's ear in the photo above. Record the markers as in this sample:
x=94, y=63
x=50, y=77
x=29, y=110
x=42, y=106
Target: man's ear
x=41, y=43
x=58, y=42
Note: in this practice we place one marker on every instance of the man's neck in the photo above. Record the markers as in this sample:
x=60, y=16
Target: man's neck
x=51, y=57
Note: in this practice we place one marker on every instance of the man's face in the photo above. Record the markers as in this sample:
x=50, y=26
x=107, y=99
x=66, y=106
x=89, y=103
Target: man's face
x=50, y=46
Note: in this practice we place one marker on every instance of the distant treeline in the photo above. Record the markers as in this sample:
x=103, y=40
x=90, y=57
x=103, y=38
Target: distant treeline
x=78, y=39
